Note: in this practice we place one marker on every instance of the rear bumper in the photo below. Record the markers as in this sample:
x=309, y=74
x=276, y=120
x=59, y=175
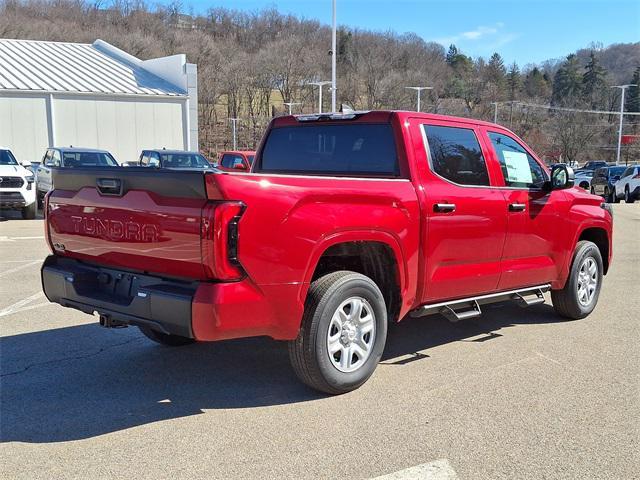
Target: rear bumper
x=129, y=298
x=201, y=310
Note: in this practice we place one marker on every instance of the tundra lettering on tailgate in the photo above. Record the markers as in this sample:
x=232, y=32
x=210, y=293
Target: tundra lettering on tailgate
x=115, y=229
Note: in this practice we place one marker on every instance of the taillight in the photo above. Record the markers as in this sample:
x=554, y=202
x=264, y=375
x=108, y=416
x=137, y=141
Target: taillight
x=47, y=218
x=220, y=235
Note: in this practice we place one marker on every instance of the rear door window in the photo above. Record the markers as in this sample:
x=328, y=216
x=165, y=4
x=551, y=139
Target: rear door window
x=455, y=154
x=331, y=149
x=519, y=168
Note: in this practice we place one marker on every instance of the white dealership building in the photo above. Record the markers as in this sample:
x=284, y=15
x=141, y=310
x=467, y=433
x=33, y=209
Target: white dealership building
x=55, y=94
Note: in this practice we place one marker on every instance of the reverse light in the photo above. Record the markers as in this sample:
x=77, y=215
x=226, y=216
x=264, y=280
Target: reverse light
x=220, y=236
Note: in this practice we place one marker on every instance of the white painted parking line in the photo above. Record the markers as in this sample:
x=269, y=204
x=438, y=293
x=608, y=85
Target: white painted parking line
x=4, y=273
x=437, y=470
x=4, y=238
x=23, y=304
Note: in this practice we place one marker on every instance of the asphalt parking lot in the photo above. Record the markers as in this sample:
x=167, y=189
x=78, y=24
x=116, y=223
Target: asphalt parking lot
x=515, y=394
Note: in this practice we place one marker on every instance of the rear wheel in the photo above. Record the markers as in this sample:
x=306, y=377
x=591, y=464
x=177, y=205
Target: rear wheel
x=580, y=294
x=627, y=195
x=614, y=196
x=29, y=212
x=343, y=333
x=607, y=195
x=166, y=339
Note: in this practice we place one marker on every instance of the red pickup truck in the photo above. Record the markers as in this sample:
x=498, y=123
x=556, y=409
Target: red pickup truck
x=346, y=222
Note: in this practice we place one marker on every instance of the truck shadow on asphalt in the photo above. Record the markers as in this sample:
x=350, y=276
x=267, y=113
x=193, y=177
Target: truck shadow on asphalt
x=83, y=381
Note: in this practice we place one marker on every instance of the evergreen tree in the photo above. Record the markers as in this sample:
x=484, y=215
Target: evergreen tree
x=633, y=93
x=496, y=71
x=593, y=82
x=536, y=84
x=452, y=54
x=514, y=82
x=567, y=82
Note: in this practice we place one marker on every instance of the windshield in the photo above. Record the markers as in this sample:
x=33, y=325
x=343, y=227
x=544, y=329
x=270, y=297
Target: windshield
x=616, y=170
x=7, y=158
x=184, y=160
x=88, y=159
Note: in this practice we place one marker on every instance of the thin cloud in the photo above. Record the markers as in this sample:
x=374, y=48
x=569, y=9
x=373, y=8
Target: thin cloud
x=492, y=33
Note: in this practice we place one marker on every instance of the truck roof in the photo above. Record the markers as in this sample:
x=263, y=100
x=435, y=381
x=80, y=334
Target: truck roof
x=171, y=152
x=375, y=116
x=78, y=150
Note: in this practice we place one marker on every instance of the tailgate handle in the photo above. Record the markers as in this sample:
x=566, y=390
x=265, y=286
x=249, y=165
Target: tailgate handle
x=109, y=186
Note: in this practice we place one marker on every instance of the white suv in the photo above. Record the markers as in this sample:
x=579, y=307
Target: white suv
x=17, y=188
x=628, y=187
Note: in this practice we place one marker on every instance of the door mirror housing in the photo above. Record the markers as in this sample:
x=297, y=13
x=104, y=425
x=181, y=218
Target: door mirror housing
x=562, y=177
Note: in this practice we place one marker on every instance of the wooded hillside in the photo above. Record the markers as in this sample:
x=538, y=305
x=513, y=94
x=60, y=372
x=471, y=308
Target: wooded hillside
x=250, y=63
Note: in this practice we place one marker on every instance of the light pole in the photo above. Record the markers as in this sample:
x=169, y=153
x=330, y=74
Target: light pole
x=495, y=112
x=419, y=89
x=623, y=88
x=291, y=104
x=233, y=123
x=320, y=85
x=333, y=59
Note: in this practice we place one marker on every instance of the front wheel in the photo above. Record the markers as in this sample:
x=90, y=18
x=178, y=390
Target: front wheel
x=165, y=339
x=343, y=333
x=614, y=196
x=580, y=294
x=627, y=195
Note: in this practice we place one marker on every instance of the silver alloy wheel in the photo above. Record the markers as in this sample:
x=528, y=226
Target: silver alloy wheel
x=587, y=281
x=351, y=334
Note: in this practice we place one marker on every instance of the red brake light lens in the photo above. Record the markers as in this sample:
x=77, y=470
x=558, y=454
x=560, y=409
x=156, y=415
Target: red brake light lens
x=220, y=235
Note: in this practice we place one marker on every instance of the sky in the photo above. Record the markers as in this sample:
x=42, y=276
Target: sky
x=523, y=31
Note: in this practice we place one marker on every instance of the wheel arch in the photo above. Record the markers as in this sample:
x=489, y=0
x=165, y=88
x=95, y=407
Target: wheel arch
x=376, y=254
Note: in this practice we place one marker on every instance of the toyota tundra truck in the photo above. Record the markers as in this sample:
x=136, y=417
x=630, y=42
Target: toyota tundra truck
x=345, y=224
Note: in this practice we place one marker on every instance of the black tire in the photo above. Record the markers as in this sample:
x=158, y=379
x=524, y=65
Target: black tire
x=614, y=196
x=309, y=353
x=627, y=195
x=165, y=339
x=607, y=195
x=565, y=301
x=29, y=212
x=593, y=191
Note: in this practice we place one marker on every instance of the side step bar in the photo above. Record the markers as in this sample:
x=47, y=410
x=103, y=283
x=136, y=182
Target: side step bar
x=464, y=308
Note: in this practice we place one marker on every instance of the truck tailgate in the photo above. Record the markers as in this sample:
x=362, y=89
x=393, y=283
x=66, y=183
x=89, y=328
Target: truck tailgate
x=140, y=219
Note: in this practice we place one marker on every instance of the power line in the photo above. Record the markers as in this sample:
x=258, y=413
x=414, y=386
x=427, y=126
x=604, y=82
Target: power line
x=564, y=109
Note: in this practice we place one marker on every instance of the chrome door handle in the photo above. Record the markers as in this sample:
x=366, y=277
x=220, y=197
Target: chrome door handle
x=517, y=207
x=444, y=207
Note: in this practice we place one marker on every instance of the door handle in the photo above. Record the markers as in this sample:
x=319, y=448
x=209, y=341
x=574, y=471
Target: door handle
x=444, y=207
x=517, y=207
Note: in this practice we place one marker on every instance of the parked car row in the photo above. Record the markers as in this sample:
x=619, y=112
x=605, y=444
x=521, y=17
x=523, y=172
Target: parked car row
x=616, y=183
x=69, y=157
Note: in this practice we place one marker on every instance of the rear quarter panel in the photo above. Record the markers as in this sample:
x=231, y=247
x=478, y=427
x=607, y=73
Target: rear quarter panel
x=290, y=221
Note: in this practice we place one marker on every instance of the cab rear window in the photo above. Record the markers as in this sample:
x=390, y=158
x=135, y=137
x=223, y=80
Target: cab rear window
x=345, y=149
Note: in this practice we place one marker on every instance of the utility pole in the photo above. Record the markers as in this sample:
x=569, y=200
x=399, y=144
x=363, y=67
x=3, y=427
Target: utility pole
x=291, y=104
x=320, y=85
x=233, y=123
x=334, y=54
x=623, y=88
x=419, y=89
x=495, y=112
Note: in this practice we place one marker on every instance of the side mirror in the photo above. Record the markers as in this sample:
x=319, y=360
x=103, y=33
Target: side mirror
x=239, y=166
x=562, y=177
